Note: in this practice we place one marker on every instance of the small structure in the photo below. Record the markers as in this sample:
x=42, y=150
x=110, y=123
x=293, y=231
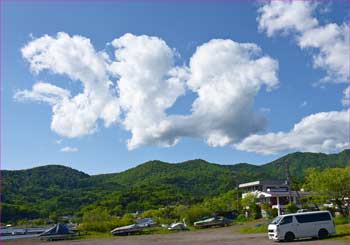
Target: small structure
x=274, y=192
x=57, y=232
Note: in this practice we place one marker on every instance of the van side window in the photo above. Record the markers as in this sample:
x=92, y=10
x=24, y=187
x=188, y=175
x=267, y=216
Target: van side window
x=287, y=220
x=305, y=218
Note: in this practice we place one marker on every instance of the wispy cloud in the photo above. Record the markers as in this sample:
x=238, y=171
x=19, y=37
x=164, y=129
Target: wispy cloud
x=59, y=141
x=303, y=104
x=69, y=149
x=265, y=109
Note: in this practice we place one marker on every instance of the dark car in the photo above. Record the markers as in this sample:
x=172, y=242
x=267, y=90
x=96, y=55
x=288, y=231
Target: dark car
x=212, y=221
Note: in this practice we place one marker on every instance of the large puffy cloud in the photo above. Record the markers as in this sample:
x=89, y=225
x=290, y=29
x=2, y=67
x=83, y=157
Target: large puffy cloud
x=148, y=85
x=321, y=132
x=226, y=76
x=76, y=58
x=330, y=42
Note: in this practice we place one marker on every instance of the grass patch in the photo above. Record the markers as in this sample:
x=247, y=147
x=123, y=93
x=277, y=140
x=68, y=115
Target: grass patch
x=342, y=233
x=155, y=230
x=341, y=220
x=145, y=231
x=93, y=234
x=259, y=228
x=343, y=230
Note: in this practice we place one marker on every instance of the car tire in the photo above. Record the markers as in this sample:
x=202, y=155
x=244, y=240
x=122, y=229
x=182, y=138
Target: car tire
x=289, y=236
x=322, y=234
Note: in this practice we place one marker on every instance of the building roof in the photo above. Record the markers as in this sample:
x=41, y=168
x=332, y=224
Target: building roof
x=281, y=194
x=262, y=182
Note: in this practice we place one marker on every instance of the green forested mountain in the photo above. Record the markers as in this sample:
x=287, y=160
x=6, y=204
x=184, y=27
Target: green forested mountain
x=42, y=191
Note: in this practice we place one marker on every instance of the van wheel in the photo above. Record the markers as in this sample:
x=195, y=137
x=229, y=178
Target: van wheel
x=322, y=234
x=289, y=236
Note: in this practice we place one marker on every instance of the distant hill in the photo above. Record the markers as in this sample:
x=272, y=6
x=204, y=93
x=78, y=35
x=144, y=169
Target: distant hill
x=41, y=191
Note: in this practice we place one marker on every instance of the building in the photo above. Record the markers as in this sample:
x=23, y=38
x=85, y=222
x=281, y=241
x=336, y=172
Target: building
x=274, y=192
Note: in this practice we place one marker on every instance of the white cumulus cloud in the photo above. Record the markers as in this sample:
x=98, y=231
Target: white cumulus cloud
x=74, y=57
x=321, y=132
x=286, y=16
x=225, y=75
x=332, y=43
x=148, y=84
x=329, y=43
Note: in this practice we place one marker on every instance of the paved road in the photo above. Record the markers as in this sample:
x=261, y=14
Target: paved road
x=225, y=235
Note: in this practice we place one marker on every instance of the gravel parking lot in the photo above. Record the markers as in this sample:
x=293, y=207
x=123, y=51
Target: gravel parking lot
x=225, y=235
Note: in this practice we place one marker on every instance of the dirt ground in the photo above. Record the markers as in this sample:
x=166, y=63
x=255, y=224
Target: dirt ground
x=225, y=235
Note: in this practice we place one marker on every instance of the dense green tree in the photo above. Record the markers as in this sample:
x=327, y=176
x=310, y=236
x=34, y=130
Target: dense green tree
x=330, y=185
x=224, y=202
x=249, y=204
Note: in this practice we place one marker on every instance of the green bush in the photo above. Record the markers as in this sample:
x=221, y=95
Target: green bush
x=255, y=211
x=99, y=220
x=194, y=213
x=291, y=207
x=272, y=213
x=242, y=218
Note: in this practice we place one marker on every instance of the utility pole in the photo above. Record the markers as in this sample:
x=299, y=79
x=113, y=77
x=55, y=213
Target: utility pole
x=289, y=181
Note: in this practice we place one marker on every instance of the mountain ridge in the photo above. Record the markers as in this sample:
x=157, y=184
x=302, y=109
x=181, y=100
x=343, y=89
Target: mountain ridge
x=196, y=160
x=40, y=191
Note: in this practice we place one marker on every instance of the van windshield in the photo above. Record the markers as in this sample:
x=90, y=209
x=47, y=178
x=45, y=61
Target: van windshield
x=276, y=220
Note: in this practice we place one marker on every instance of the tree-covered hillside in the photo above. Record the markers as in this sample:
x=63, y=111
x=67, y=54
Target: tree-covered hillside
x=53, y=189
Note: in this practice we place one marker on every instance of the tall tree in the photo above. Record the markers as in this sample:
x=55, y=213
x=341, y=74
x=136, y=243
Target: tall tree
x=330, y=185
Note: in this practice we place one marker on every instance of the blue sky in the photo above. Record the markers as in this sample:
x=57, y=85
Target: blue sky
x=27, y=139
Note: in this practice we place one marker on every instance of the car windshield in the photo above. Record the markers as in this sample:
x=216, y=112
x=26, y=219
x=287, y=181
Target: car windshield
x=276, y=220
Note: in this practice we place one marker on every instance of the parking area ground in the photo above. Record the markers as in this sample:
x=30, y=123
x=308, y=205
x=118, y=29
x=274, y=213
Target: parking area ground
x=224, y=235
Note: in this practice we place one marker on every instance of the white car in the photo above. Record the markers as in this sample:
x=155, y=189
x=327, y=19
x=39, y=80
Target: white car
x=301, y=225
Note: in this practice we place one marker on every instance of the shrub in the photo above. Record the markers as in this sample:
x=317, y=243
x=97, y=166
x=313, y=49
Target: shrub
x=99, y=220
x=241, y=218
x=291, y=207
x=272, y=213
x=256, y=211
x=194, y=213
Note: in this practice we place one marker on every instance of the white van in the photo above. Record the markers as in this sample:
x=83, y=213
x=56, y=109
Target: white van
x=301, y=225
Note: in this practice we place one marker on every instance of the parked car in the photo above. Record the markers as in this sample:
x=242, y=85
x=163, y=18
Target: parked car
x=212, y=221
x=178, y=226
